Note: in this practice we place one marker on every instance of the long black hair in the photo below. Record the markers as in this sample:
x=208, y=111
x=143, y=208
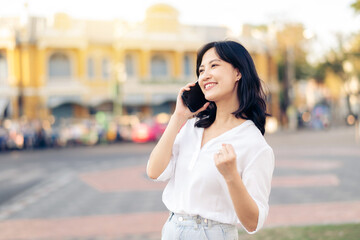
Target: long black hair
x=250, y=93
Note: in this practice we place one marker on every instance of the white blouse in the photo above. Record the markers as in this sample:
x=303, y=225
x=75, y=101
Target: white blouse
x=195, y=185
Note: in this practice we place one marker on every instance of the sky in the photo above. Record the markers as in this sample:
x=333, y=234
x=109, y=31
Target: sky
x=324, y=18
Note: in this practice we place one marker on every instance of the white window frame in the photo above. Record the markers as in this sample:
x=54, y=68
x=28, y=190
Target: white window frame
x=60, y=78
x=167, y=66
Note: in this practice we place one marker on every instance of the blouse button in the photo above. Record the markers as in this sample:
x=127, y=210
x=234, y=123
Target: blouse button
x=180, y=219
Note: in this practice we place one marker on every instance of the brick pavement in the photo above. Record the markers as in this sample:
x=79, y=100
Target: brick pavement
x=150, y=224
x=308, y=164
x=123, y=179
x=119, y=179
x=301, y=166
x=104, y=227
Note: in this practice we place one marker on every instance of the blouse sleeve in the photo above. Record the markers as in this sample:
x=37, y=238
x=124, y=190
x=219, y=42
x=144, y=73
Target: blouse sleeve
x=257, y=177
x=170, y=169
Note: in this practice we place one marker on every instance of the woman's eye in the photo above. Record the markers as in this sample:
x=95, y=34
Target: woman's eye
x=201, y=70
x=214, y=65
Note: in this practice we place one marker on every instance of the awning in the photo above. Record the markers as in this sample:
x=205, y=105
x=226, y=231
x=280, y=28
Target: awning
x=156, y=99
x=96, y=101
x=134, y=100
x=56, y=101
x=159, y=99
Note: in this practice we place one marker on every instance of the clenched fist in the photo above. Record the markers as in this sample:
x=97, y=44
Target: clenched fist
x=225, y=161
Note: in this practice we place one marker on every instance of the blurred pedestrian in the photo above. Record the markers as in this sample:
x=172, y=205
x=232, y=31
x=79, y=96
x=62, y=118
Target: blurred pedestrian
x=218, y=163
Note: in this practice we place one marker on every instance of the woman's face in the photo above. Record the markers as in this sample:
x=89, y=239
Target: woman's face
x=218, y=79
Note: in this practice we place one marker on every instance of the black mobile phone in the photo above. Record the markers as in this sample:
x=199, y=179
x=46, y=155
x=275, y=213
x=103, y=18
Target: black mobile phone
x=194, y=99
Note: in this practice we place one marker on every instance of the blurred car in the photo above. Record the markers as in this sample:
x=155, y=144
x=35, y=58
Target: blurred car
x=147, y=132
x=142, y=133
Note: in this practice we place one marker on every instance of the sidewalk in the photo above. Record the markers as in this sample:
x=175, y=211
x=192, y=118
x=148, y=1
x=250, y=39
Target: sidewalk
x=148, y=225
x=315, y=182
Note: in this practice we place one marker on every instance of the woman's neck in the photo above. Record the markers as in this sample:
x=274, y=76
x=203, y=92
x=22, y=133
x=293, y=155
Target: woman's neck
x=224, y=114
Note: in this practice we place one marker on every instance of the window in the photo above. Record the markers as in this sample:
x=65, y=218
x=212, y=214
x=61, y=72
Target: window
x=3, y=69
x=130, y=65
x=90, y=68
x=187, y=66
x=59, y=66
x=105, y=66
x=159, y=66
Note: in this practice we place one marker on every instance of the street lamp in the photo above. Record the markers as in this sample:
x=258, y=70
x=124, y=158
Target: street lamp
x=120, y=78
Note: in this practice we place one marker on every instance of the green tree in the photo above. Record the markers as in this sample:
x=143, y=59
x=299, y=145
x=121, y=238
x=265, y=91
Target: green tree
x=291, y=37
x=292, y=63
x=356, y=6
x=336, y=61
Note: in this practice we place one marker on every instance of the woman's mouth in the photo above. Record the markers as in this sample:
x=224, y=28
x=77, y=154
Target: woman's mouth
x=208, y=86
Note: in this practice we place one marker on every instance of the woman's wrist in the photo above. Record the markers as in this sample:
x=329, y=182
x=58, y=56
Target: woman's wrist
x=178, y=118
x=233, y=178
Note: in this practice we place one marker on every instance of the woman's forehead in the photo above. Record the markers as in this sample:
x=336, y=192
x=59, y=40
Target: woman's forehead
x=210, y=56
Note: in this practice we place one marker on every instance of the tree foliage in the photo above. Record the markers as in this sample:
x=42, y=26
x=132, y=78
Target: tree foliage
x=356, y=6
x=334, y=61
x=291, y=37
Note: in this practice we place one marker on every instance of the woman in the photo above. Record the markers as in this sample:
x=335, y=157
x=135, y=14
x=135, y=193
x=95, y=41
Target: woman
x=218, y=164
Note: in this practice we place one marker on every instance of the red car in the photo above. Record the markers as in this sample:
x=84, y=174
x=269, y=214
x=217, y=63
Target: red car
x=147, y=132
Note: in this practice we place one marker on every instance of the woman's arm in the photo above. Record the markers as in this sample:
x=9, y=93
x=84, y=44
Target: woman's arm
x=161, y=154
x=245, y=207
x=250, y=213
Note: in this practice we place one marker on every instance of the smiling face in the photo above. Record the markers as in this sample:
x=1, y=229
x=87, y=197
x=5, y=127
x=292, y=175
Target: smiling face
x=218, y=79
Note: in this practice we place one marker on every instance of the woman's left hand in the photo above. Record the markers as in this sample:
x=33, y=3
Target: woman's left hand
x=225, y=161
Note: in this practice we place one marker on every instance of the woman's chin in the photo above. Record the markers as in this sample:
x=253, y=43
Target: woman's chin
x=211, y=98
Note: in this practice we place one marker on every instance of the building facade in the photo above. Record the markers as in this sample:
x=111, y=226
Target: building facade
x=66, y=67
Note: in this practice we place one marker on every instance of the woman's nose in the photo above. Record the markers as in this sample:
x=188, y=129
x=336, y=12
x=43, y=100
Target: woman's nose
x=205, y=75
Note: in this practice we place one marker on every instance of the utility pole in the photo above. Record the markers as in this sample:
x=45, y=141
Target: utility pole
x=20, y=84
x=120, y=78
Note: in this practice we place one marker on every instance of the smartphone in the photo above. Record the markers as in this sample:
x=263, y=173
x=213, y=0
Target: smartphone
x=194, y=99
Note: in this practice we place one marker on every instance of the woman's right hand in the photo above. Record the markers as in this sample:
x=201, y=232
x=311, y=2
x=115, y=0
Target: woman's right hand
x=181, y=110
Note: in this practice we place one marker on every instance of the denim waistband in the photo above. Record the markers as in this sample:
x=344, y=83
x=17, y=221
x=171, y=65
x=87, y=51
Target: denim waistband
x=191, y=220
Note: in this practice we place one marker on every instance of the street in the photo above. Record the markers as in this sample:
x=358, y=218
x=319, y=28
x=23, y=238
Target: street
x=102, y=192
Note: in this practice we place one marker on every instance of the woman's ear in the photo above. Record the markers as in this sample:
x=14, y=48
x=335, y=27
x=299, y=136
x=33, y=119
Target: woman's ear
x=238, y=75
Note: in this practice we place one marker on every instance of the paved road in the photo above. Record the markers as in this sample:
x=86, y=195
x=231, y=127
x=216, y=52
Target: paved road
x=102, y=192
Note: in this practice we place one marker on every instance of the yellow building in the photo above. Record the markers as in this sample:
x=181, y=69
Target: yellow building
x=69, y=67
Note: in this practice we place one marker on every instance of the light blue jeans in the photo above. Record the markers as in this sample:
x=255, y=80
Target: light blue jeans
x=185, y=227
